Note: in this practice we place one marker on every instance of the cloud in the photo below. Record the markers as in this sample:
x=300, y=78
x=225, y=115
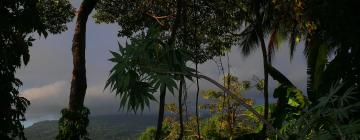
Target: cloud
x=100, y=101
x=48, y=100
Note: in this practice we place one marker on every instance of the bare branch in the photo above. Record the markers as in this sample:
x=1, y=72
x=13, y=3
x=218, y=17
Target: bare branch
x=158, y=18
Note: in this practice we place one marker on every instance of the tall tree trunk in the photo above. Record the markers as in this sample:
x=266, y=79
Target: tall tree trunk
x=78, y=82
x=74, y=120
x=171, y=41
x=161, y=112
x=197, y=103
x=266, y=78
x=197, y=79
x=260, y=35
x=181, y=85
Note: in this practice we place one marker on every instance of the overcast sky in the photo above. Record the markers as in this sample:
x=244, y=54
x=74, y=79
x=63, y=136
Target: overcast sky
x=47, y=77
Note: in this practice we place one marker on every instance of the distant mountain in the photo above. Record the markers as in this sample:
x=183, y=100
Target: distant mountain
x=109, y=127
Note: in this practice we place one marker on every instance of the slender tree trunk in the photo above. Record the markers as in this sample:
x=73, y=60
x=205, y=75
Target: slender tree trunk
x=229, y=108
x=181, y=85
x=197, y=103
x=78, y=82
x=266, y=78
x=161, y=113
x=171, y=41
x=260, y=35
x=197, y=79
x=185, y=102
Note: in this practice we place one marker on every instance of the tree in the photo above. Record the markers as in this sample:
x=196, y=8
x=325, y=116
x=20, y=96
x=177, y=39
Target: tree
x=250, y=23
x=41, y=16
x=147, y=64
x=276, y=19
x=74, y=120
x=181, y=119
x=217, y=125
x=204, y=41
x=254, y=33
x=227, y=107
x=131, y=75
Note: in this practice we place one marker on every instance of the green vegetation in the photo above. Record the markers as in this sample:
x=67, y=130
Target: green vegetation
x=227, y=120
x=109, y=127
x=167, y=42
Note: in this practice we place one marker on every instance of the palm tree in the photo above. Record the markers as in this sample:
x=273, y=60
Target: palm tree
x=253, y=34
x=264, y=18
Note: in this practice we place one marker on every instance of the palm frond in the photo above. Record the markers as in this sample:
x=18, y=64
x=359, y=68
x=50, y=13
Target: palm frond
x=249, y=40
x=316, y=54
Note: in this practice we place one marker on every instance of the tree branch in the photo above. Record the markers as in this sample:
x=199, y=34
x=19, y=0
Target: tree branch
x=158, y=18
x=241, y=101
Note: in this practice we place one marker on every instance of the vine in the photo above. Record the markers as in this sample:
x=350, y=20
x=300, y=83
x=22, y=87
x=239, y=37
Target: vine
x=73, y=124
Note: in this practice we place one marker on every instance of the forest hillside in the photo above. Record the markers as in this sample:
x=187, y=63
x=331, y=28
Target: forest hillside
x=107, y=127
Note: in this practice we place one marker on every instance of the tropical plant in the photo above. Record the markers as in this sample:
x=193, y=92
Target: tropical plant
x=133, y=69
x=273, y=19
x=138, y=64
x=332, y=54
x=330, y=117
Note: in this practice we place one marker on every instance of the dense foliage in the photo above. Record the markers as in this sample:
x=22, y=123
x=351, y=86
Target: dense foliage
x=167, y=41
x=66, y=126
x=41, y=16
x=143, y=67
x=248, y=24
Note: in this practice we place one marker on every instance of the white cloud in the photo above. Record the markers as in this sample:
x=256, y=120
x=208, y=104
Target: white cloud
x=44, y=93
x=48, y=100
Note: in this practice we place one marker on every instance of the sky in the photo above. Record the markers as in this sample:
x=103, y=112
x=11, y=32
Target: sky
x=47, y=77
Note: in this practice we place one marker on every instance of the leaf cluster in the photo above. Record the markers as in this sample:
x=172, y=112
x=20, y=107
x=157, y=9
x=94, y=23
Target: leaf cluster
x=73, y=124
x=141, y=68
x=330, y=117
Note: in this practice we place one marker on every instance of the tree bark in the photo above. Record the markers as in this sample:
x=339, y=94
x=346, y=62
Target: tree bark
x=161, y=113
x=197, y=103
x=266, y=78
x=181, y=85
x=78, y=82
